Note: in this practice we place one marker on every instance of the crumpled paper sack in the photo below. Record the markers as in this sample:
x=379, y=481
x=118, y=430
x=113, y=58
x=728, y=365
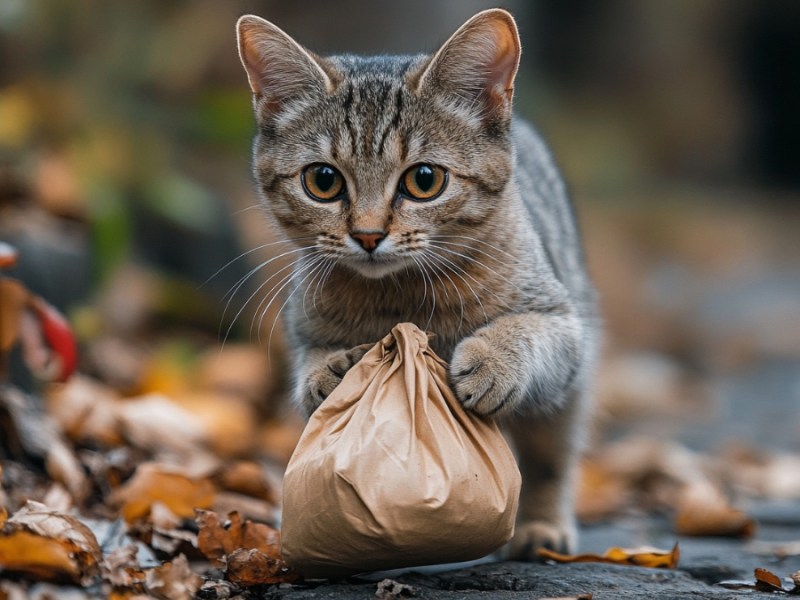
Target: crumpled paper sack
x=392, y=472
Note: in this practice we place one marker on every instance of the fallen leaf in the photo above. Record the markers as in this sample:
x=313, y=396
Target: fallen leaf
x=704, y=511
x=153, y=483
x=49, y=545
x=249, y=478
x=767, y=581
x=640, y=557
x=249, y=552
x=121, y=569
x=173, y=580
x=86, y=410
x=251, y=566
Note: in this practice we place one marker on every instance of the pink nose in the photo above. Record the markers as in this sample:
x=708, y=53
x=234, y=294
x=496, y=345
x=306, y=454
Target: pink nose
x=369, y=240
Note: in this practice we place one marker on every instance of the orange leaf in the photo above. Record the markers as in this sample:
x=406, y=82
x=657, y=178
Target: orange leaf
x=250, y=552
x=32, y=554
x=704, y=511
x=767, y=581
x=253, y=567
x=42, y=542
x=150, y=484
x=641, y=557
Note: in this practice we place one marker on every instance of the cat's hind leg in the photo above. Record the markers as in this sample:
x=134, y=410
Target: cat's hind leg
x=548, y=450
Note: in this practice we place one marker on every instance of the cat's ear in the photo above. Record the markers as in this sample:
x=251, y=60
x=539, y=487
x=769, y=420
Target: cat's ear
x=477, y=65
x=278, y=68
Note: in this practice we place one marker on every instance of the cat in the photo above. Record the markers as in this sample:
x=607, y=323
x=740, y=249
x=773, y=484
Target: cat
x=412, y=193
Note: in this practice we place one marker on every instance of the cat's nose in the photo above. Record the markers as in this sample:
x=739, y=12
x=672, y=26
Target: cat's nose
x=369, y=240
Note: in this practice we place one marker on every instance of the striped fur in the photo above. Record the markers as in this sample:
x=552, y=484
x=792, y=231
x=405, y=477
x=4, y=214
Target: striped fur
x=493, y=267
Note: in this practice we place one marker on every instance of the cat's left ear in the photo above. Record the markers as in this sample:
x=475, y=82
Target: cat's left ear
x=477, y=65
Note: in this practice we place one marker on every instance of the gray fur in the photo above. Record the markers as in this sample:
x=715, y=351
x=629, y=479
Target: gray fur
x=493, y=267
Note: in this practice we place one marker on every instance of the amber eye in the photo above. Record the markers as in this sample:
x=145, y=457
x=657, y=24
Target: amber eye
x=323, y=182
x=423, y=182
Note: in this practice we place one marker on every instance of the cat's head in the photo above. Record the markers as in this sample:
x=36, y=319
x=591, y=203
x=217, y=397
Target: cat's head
x=375, y=162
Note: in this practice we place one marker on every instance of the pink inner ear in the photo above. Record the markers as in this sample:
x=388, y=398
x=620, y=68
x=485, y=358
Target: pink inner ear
x=479, y=61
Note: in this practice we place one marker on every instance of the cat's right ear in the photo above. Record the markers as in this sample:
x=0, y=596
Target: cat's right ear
x=478, y=64
x=279, y=69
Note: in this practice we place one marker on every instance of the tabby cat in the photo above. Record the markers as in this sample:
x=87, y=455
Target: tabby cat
x=412, y=193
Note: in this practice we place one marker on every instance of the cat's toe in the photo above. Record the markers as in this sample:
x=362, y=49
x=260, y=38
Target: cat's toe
x=479, y=382
x=530, y=536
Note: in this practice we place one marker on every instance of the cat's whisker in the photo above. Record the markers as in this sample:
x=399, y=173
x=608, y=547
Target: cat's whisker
x=250, y=298
x=312, y=268
x=444, y=246
x=274, y=291
x=321, y=283
x=455, y=270
x=440, y=237
x=425, y=280
x=440, y=269
x=247, y=253
x=436, y=270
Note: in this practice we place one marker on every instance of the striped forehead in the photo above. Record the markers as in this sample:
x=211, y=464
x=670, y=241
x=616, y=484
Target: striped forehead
x=369, y=103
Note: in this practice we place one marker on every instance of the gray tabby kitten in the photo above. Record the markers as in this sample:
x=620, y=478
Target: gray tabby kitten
x=413, y=194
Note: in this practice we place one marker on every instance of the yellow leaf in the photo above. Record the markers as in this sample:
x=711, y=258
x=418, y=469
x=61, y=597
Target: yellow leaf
x=640, y=557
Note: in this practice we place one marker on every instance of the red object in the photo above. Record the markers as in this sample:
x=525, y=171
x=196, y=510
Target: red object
x=58, y=335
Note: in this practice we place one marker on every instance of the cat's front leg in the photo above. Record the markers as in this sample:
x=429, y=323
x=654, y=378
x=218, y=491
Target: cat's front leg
x=521, y=361
x=319, y=371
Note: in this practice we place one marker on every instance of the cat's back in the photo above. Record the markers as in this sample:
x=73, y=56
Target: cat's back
x=549, y=210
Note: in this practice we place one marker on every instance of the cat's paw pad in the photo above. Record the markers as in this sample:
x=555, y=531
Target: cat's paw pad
x=324, y=380
x=530, y=536
x=480, y=381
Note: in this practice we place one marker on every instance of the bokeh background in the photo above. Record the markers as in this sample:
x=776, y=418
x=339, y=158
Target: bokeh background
x=125, y=183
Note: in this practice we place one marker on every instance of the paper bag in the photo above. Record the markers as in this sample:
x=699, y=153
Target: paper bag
x=392, y=472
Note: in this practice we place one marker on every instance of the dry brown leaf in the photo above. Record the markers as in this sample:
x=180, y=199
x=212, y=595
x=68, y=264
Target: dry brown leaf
x=250, y=566
x=767, y=581
x=154, y=483
x=250, y=552
x=156, y=422
x=216, y=539
x=227, y=424
x=703, y=511
x=49, y=545
x=640, y=557
x=236, y=370
x=249, y=478
x=173, y=580
x=86, y=410
x=121, y=569
x=41, y=557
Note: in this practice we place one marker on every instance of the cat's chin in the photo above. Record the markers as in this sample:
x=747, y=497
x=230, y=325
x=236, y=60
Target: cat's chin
x=376, y=269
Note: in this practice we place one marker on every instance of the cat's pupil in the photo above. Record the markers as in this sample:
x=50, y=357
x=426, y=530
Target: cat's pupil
x=325, y=178
x=424, y=178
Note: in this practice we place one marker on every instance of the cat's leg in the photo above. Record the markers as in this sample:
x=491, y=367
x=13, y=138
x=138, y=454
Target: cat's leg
x=548, y=450
x=319, y=371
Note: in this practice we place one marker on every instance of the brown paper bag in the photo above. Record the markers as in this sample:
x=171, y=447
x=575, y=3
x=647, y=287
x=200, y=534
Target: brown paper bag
x=392, y=472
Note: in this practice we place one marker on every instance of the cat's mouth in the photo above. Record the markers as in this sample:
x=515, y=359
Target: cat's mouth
x=374, y=266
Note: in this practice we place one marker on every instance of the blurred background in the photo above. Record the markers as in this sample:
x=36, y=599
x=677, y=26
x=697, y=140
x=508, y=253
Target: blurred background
x=125, y=184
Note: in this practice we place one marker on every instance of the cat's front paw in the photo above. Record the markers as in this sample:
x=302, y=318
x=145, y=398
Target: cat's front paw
x=322, y=380
x=483, y=380
x=530, y=536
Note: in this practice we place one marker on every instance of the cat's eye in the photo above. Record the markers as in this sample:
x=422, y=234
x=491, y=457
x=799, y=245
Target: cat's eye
x=423, y=182
x=322, y=182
